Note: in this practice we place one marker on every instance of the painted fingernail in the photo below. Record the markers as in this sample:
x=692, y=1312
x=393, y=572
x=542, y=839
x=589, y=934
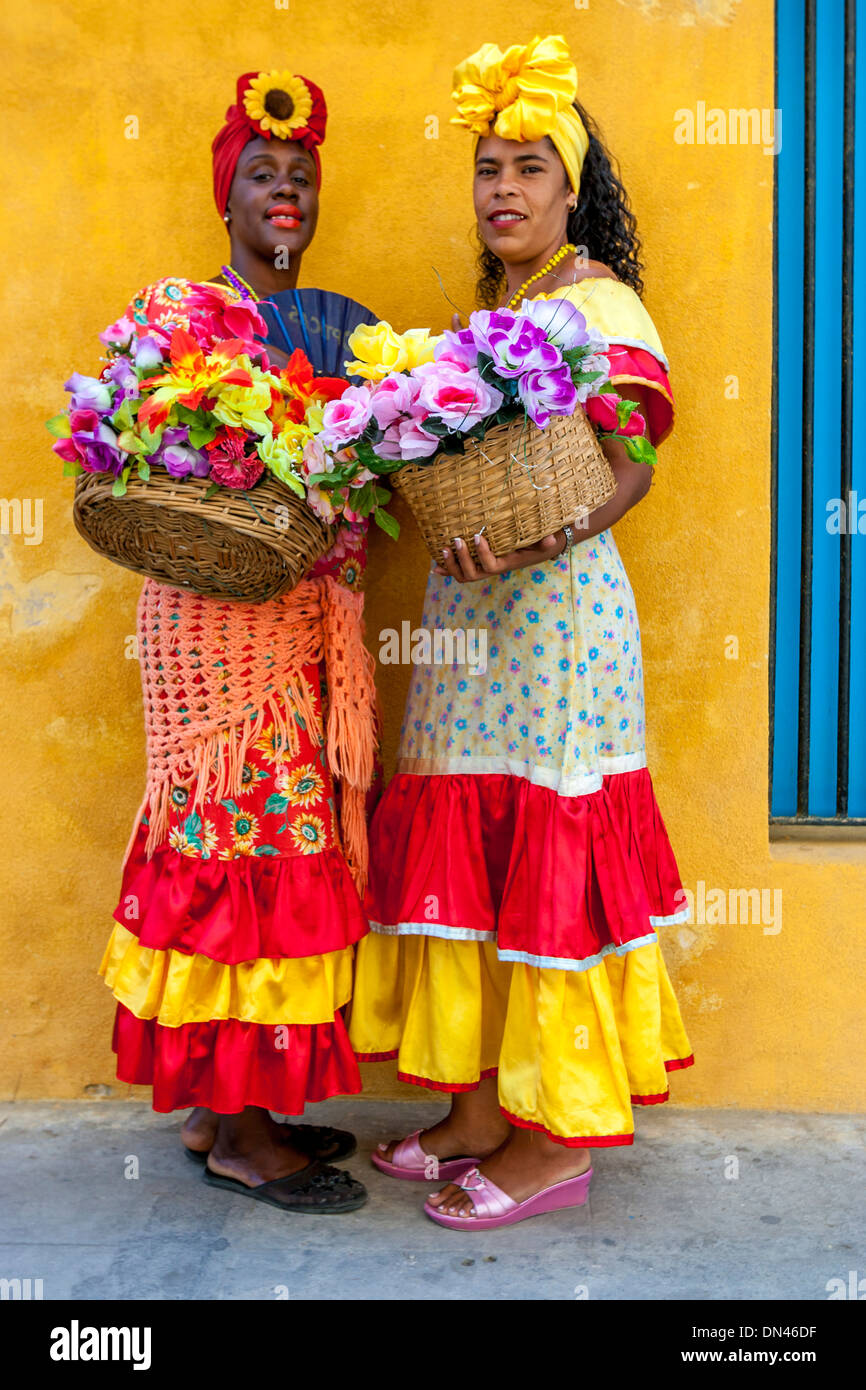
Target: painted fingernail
x=477, y=537
x=457, y=543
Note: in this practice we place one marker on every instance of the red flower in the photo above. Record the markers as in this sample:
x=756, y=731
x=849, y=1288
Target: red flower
x=234, y=461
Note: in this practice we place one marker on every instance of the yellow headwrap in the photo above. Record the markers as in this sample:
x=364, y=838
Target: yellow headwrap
x=524, y=93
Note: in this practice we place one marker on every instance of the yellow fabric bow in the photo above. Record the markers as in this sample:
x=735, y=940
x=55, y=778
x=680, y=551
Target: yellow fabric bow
x=524, y=94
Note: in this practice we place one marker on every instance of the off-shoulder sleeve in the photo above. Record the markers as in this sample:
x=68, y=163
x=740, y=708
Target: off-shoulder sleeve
x=636, y=353
x=158, y=303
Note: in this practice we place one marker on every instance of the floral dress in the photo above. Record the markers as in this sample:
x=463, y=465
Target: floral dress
x=232, y=952
x=520, y=867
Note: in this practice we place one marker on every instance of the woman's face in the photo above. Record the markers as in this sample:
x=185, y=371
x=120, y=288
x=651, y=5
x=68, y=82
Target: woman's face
x=521, y=197
x=274, y=200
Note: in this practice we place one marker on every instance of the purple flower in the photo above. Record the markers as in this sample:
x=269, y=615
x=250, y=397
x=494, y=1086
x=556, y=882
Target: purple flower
x=178, y=457
x=515, y=343
x=560, y=321
x=458, y=347
x=89, y=393
x=121, y=372
x=546, y=393
x=92, y=443
x=148, y=353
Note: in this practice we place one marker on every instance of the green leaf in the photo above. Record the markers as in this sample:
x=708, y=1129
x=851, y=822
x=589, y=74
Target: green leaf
x=624, y=411
x=200, y=434
x=59, y=426
x=192, y=824
x=119, y=486
x=231, y=806
x=211, y=492
x=276, y=804
x=72, y=468
x=122, y=419
x=265, y=850
x=144, y=470
x=388, y=523
x=639, y=448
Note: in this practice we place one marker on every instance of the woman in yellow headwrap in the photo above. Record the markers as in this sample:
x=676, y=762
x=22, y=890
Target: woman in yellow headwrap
x=520, y=865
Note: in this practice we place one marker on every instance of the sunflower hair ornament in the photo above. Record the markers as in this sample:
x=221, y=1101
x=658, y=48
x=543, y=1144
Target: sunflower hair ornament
x=276, y=105
x=525, y=93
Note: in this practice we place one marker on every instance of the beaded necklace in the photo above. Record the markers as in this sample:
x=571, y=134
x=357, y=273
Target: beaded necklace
x=238, y=283
x=518, y=295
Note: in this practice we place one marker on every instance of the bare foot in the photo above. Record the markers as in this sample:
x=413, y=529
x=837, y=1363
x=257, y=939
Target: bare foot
x=251, y=1148
x=525, y=1164
x=473, y=1127
x=199, y=1129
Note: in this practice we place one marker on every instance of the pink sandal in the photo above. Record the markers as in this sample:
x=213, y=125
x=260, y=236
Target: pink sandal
x=493, y=1207
x=410, y=1161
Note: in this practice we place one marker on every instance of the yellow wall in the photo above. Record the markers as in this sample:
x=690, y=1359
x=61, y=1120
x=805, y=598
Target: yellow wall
x=91, y=216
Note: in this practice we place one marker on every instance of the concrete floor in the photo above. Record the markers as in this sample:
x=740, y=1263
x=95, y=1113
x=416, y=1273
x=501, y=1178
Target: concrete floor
x=668, y=1218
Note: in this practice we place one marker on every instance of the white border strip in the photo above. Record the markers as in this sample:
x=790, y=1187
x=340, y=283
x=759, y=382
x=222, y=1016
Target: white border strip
x=563, y=963
x=432, y=929
x=672, y=921
x=581, y=784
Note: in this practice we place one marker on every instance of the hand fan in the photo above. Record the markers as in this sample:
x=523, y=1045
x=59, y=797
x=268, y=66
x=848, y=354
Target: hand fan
x=317, y=321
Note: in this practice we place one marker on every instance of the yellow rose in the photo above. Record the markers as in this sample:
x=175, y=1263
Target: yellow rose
x=378, y=351
x=246, y=407
x=282, y=453
x=419, y=347
x=313, y=416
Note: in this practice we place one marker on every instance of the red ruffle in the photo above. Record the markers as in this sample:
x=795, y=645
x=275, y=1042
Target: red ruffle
x=552, y=876
x=228, y=1065
x=631, y=362
x=240, y=909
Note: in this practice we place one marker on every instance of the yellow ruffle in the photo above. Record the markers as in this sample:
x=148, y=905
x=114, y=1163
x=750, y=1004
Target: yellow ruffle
x=176, y=988
x=616, y=311
x=572, y=1047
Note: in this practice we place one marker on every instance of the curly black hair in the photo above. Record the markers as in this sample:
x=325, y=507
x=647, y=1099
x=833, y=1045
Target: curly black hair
x=602, y=223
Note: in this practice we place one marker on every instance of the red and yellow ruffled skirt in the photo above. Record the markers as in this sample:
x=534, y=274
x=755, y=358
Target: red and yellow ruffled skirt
x=514, y=935
x=232, y=955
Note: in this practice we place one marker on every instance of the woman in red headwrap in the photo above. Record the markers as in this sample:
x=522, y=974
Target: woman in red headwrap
x=231, y=960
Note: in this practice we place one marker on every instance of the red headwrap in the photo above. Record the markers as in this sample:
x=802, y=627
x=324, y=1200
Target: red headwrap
x=262, y=100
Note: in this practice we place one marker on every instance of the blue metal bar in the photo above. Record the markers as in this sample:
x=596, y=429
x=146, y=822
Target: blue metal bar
x=790, y=262
x=857, y=703
x=827, y=416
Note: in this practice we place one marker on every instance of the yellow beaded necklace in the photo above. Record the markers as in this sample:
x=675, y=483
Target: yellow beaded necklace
x=518, y=295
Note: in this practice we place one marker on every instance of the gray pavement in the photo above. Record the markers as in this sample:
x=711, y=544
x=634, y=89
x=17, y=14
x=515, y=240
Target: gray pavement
x=707, y=1204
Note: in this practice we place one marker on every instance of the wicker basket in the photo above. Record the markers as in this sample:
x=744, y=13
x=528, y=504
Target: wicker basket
x=249, y=546
x=515, y=486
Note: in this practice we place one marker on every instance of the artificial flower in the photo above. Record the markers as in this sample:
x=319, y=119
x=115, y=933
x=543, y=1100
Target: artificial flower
x=279, y=102
x=232, y=463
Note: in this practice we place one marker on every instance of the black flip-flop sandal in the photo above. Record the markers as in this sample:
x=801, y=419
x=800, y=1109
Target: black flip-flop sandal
x=317, y=1190
x=316, y=1141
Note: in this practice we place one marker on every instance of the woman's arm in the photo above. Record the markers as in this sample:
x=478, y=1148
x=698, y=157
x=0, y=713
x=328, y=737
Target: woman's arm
x=633, y=481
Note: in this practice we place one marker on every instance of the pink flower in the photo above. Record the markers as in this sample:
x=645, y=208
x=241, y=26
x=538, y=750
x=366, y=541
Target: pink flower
x=393, y=397
x=601, y=410
x=388, y=446
x=634, y=425
x=345, y=419
x=212, y=317
x=456, y=395
x=415, y=442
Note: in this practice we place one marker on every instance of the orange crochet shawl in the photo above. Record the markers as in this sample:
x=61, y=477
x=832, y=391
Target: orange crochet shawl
x=214, y=674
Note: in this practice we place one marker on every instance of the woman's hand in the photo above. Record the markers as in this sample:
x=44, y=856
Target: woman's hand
x=458, y=562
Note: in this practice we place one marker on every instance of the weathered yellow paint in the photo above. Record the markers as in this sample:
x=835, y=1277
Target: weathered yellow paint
x=90, y=216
